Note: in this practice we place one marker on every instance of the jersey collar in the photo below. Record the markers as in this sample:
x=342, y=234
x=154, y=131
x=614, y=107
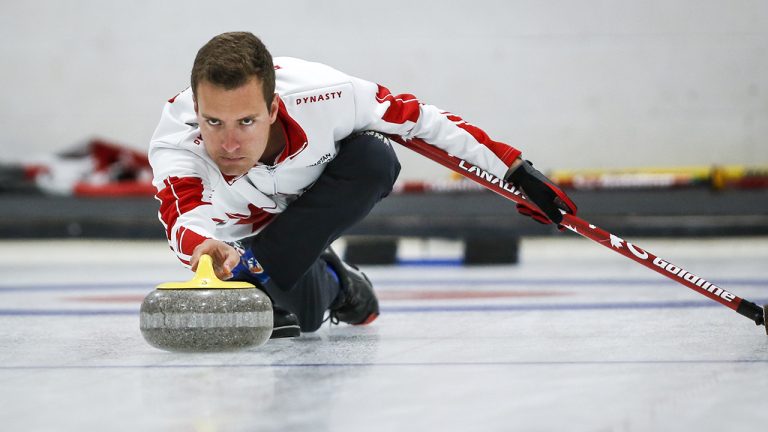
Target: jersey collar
x=295, y=137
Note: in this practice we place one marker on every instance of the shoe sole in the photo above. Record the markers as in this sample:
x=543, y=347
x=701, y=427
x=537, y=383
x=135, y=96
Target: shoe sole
x=285, y=332
x=371, y=318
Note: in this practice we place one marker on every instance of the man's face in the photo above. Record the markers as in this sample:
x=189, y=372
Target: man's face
x=235, y=124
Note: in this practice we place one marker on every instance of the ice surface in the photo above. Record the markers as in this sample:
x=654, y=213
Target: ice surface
x=573, y=338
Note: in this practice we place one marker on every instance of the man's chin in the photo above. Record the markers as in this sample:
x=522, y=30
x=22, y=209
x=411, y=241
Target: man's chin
x=235, y=169
x=232, y=172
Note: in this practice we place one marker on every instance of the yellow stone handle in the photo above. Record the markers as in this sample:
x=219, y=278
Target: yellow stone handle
x=205, y=278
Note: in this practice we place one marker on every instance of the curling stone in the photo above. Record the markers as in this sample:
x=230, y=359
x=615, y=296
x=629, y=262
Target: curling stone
x=206, y=314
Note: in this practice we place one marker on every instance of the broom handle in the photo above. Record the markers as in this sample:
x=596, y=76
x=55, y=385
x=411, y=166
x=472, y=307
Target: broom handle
x=592, y=232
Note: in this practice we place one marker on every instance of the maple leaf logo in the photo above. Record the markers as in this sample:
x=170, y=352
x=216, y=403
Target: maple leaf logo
x=617, y=242
x=257, y=217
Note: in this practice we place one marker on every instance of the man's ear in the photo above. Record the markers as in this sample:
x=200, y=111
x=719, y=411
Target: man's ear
x=194, y=101
x=274, y=107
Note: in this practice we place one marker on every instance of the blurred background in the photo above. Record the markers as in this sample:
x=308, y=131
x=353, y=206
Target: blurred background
x=675, y=90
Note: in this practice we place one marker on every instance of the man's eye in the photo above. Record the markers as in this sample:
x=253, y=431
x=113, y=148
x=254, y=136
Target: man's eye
x=246, y=122
x=213, y=122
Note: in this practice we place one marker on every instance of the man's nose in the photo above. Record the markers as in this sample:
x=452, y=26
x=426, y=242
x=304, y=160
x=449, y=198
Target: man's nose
x=231, y=142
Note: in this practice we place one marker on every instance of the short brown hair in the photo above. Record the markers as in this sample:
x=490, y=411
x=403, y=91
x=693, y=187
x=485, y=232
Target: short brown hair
x=230, y=59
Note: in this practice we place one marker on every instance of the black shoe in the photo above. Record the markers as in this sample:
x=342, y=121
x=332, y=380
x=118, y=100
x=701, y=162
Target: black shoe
x=357, y=303
x=285, y=324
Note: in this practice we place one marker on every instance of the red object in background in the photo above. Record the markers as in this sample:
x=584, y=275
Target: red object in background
x=107, y=154
x=120, y=189
x=32, y=171
x=126, y=169
x=97, y=168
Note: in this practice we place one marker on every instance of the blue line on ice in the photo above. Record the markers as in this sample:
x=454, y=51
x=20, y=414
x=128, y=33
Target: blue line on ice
x=424, y=309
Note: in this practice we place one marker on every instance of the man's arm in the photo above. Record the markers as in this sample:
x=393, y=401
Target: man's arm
x=185, y=214
x=184, y=195
x=405, y=115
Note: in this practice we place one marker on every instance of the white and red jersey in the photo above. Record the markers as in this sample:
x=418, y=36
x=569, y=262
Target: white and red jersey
x=319, y=106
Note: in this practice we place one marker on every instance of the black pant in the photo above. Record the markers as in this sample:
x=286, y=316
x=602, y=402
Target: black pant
x=361, y=174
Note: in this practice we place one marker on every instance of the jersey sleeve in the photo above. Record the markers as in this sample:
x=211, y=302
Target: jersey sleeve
x=181, y=178
x=403, y=114
x=185, y=205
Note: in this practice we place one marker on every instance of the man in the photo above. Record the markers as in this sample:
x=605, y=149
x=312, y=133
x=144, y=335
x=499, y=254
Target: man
x=263, y=164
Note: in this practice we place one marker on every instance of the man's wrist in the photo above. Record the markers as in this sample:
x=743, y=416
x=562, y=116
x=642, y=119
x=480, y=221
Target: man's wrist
x=515, y=165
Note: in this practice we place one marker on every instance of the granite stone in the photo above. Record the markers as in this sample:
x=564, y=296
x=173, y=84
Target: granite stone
x=206, y=320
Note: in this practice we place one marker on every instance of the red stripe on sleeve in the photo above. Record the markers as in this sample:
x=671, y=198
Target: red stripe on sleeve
x=187, y=240
x=505, y=152
x=179, y=196
x=402, y=107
